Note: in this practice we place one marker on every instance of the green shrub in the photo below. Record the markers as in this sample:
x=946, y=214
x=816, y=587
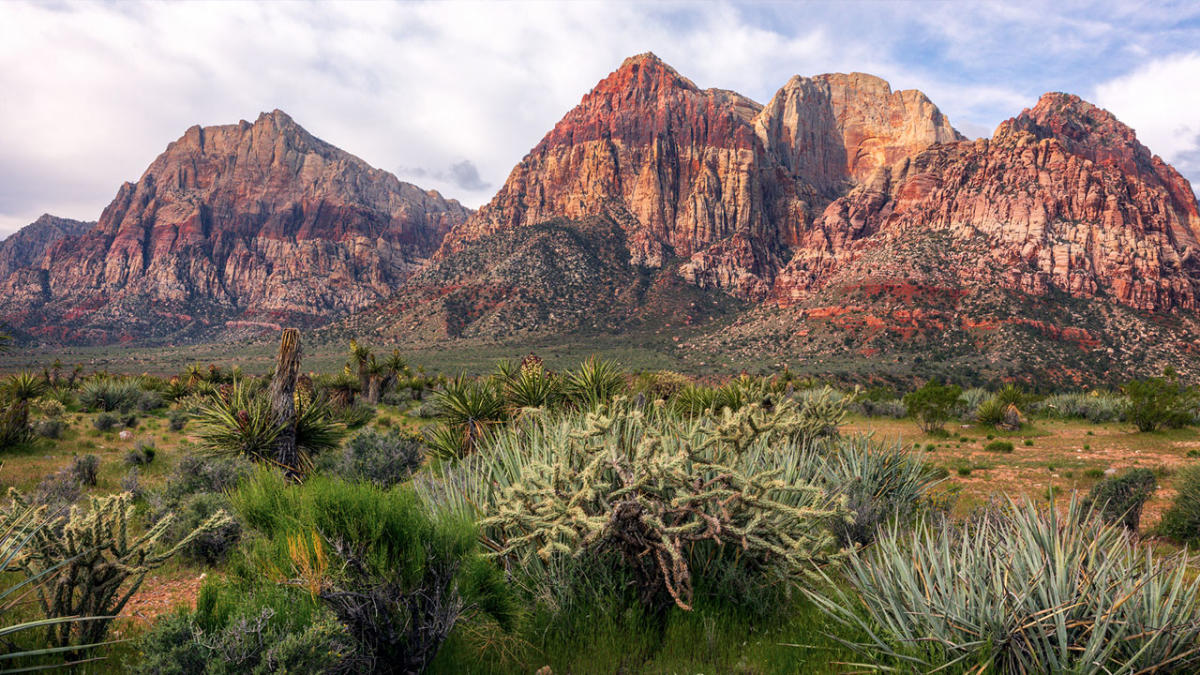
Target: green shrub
x=177, y=420
x=85, y=469
x=106, y=421
x=382, y=459
x=1181, y=521
x=1076, y=596
x=593, y=383
x=213, y=544
x=1096, y=407
x=932, y=405
x=244, y=628
x=1159, y=402
x=49, y=428
x=1120, y=499
x=14, y=425
x=1028, y=442
x=356, y=415
x=149, y=401
x=999, y=446
x=142, y=454
x=991, y=412
x=108, y=395
x=396, y=578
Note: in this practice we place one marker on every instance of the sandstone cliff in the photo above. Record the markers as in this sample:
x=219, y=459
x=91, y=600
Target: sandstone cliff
x=27, y=246
x=238, y=223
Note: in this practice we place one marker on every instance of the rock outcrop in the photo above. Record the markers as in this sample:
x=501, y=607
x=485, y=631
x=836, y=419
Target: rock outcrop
x=1063, y=196
x=27, y=246
x=709, y=179
x=236, y=223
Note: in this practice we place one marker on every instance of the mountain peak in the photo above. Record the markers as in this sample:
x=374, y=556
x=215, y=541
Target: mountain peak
x=643, y=74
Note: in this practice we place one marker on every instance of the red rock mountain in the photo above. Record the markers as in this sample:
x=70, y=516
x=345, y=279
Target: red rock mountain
x=708, y=178
x=27, y=246
x=859, y=220
x=230, y=226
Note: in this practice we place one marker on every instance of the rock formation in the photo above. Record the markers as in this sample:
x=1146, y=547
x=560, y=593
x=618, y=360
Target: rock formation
x=245, y=223
x=27, y=247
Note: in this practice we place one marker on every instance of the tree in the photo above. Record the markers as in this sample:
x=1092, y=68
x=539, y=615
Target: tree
x=933, y=404
x=283, y=400
x=1159, y=402
x=360, y=358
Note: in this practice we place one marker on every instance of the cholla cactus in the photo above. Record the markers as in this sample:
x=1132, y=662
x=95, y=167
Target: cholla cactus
x=649, y=484
x=97, y=563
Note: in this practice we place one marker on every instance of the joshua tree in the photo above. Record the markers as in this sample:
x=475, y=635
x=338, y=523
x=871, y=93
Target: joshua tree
x=360, y=358
x=376, y=373
x=283, y=400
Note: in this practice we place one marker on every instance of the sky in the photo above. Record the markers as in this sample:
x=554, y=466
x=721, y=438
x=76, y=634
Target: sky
x=451, y=95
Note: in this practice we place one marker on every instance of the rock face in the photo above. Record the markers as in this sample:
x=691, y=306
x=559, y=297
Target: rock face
x=1063, y=195
x=26, y=247
x=708, y=179
x=244, y=223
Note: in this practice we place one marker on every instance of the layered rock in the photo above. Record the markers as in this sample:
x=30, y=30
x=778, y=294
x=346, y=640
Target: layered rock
x=27, y=246
x=1064, y=197
x=235, y=223
x=709, y=178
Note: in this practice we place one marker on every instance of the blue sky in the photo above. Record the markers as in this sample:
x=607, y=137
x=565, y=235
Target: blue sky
x=451, y=95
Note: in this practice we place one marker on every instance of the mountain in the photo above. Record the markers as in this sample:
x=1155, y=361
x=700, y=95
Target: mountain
x=841, y=222
x=26, y=247
x=231, y=227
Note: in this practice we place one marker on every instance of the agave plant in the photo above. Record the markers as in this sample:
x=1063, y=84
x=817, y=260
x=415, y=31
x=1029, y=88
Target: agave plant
x=595, y=382
x=1021, y=589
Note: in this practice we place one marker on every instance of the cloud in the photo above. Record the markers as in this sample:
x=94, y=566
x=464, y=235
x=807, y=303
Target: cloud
x=94, y=91
x=1160, y=101
x=464, y=174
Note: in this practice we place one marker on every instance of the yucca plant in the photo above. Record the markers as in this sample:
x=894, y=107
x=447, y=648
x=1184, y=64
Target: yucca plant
x=533, y=387
x=5, y=343
x=694, y=399
x=108, y=395
x=594, y=382
x=24, y=386
x=360, y=359
x=238, y=422
x=1021, y=589
x=470, y=408
x=991, y=411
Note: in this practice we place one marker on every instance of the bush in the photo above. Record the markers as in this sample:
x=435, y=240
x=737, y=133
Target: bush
x=177, y=420
x=1181, y=521
x=1096, y=407
x=396, y=578
x=49, y=428
x=578, y=486
x=194, y=474
x=932, y=405
x=594, y=382
x=999, y=446
x=142, y=454
x=106, y=421
x=356, y=415
x=85, y=469
x=1077, y=596
x=991, y=412
x=1119, y=499
x=50, y=408
x=14, y=425
x=242, y=628
x=212, y=545
x=58, y=491
x=108, y=395
x=468, y=409
x=382, y=459
x=1159, y=402
x=150, y=401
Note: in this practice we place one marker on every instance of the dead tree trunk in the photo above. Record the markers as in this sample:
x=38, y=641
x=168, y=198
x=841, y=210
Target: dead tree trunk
x=283, y=402
x=373, y=390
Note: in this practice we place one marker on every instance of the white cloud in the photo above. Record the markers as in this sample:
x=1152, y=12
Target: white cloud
x=1161, y=101
x=92, y=92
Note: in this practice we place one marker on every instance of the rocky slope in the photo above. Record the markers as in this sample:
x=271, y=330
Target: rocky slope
x=708, y=180
x=232, y=226
x=26, y=247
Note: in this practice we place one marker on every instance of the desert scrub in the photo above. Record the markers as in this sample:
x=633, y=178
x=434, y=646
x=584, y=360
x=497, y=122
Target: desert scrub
x=1159, y=402
x=932, y=405
x=1096, y=407
x=1120, y=499
x=109, y=395
x=1181, y=521
x=97, y=561
x=1018, y=589
x=999, y=446
x=384, y=459
x=395, y=577
x=650, y=488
